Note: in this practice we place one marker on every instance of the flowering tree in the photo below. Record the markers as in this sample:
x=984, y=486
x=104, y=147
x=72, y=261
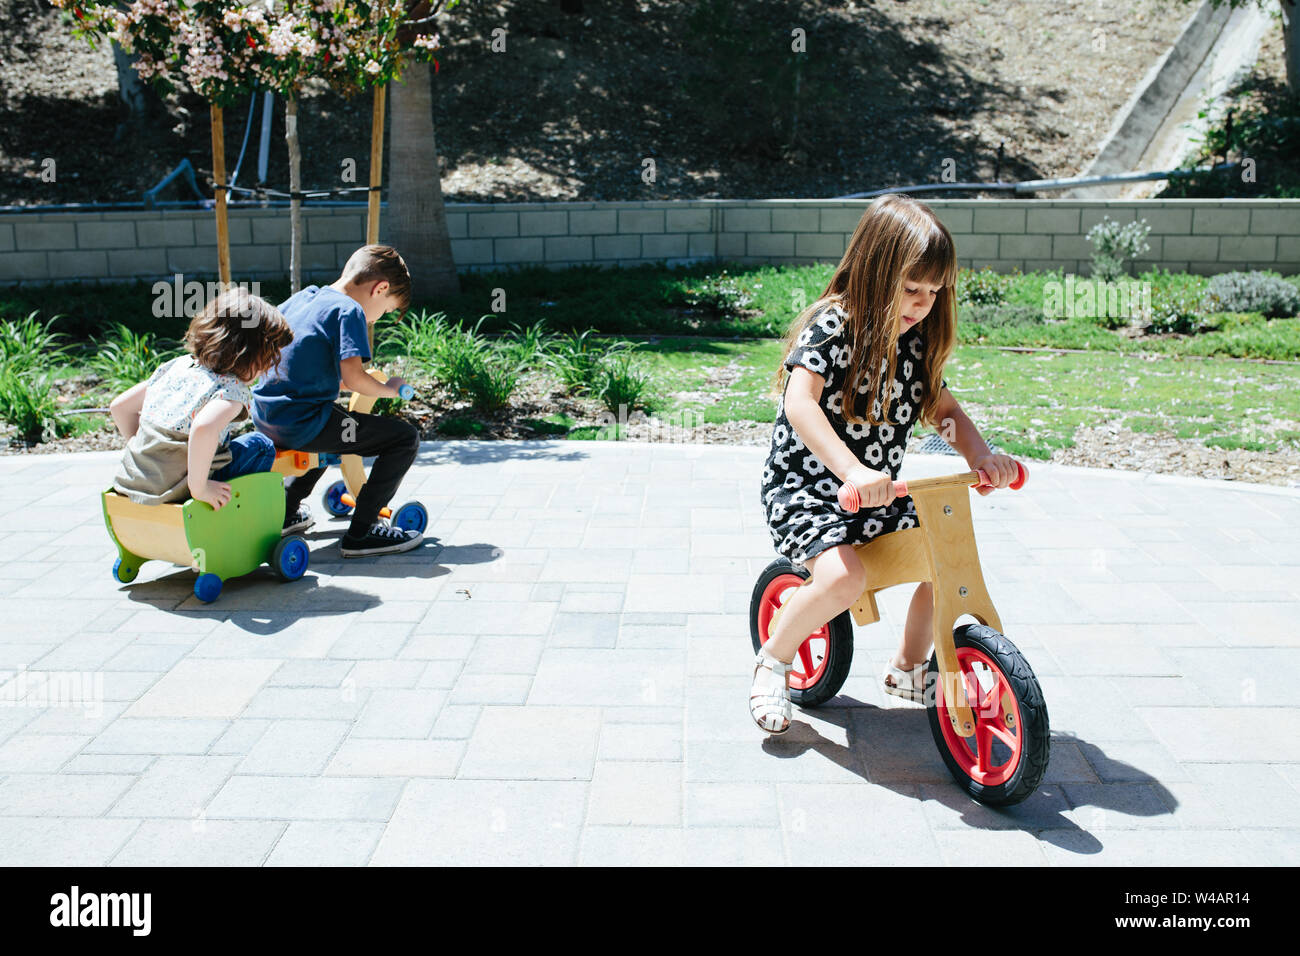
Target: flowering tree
x=221, y=49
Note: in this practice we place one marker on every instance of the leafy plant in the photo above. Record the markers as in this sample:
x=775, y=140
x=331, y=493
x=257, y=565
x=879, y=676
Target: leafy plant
x=1264, y=292
x=527, y=345
x=617, y=384
x=28, y=404
x=1176, y=310
x=999, y=316
x=576, y=359
x=982, y=287
x=460, y=427
x=30, y=344
x=1114, y=245
x=419, y=335
x=723, y=294
x=125, y=357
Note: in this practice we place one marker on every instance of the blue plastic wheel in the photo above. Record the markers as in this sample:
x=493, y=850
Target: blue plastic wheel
x=207, y=587
x=290, y=556
x=332, y=499
x=411, y=517
x=124, y=573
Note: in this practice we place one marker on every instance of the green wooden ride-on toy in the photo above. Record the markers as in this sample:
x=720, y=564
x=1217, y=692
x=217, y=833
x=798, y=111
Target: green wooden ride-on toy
x=219, y=544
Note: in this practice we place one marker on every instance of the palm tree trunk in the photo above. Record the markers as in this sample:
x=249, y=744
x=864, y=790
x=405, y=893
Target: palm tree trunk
x=295, y=187
x=417, y=220
x=1291, y=43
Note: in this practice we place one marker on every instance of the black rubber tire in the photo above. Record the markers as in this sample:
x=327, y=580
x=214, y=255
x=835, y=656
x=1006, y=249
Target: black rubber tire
x=1035, y=732
x=839, y=649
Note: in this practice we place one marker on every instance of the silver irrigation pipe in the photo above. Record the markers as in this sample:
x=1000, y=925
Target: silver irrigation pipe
x=1038, y=185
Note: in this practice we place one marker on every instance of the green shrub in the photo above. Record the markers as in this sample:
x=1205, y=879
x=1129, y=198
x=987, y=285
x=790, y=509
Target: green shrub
x=1114, y=244
x=576, y=360
x=419, y=335
x=1264, y=292
x=997, y=316
x=490, y=381
x=460, y=427
x=724, y=295
x=982, y=287
x=617, y=383
x=28, y=404
x=1176, y=310
x=526, y=345
x=28, y=344
x=125, y=357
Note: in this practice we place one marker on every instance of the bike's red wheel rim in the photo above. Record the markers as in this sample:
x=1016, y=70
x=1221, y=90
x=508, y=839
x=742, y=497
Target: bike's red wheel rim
x=991, y=755
x=810, y=660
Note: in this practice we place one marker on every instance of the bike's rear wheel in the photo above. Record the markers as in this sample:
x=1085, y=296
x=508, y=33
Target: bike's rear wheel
x=821, y=665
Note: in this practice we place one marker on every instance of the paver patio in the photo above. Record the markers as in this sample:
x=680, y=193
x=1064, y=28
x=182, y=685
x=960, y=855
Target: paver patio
x=560, y=675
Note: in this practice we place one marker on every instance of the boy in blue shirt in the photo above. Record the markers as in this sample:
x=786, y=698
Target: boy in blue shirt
x=294, y=402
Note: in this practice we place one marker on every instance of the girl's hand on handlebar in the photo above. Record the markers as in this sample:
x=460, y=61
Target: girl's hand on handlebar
x=1002, y=470
x=875, y=488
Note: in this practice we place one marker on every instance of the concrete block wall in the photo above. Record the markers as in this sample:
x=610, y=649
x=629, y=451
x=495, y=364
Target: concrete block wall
x=1201, y=236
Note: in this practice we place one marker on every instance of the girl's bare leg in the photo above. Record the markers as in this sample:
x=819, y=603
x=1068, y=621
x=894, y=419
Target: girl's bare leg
x=837, y=580
x=918, y=632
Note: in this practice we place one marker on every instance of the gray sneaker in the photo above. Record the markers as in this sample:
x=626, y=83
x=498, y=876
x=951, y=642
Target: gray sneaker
x=380, y=539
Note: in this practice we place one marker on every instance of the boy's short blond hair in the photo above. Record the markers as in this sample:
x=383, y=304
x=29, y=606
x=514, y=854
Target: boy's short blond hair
x=376, y=263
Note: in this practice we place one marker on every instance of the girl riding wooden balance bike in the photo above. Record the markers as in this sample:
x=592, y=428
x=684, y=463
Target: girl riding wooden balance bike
x=865, y=365
x=986, y=709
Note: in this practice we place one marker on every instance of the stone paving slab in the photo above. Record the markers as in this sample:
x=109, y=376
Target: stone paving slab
x=560, y=675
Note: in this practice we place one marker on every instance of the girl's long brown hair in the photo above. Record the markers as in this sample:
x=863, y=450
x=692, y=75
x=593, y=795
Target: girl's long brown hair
x=897, y=239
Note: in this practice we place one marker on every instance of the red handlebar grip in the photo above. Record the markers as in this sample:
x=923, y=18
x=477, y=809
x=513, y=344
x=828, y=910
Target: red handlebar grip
x=1021, y=477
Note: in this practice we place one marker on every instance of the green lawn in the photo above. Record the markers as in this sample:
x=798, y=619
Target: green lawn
x=1028, y=403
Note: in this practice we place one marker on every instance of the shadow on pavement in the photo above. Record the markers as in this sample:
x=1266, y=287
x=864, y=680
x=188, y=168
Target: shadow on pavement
x=894, y=748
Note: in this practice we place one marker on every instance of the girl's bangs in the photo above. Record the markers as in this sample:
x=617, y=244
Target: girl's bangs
x=937, y=264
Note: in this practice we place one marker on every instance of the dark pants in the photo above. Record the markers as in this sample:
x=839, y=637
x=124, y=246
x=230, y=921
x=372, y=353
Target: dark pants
x=393, y=442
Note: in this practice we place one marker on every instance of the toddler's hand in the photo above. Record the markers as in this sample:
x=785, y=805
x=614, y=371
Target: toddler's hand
x=1001, y=469
x=875, y=488
x=215, y=493
x=395, y=383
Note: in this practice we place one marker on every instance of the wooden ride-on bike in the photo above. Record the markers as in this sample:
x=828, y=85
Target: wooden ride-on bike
x=341, y=497
x=986, y=710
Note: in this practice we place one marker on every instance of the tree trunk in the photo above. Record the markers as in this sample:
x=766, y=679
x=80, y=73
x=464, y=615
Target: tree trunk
x=1291, y=43
x=417, y=220
x=219, y=185
x=295, y=188
x=139, y=102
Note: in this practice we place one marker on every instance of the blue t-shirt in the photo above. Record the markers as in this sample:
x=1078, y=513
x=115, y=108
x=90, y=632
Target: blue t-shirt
x=292, y=401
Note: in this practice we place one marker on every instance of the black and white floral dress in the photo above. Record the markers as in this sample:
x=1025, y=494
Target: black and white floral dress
x=804, y=516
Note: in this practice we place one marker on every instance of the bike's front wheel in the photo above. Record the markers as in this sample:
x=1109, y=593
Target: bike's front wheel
x=1003, y=762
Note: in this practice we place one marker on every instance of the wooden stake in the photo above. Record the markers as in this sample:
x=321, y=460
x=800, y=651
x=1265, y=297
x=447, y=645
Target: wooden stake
x=376, y=165
x=219, y=175
x=295, y=187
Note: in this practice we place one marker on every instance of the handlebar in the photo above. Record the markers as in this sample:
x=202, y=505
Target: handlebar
x=851, y=500
x=406, y=392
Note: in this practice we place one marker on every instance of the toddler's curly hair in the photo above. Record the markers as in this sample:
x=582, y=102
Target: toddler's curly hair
x=239, y=334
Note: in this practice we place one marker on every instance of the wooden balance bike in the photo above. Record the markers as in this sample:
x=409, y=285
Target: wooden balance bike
x=987, y=712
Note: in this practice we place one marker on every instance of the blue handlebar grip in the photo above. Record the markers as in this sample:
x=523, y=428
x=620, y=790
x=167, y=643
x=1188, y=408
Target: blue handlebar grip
x=406, y=392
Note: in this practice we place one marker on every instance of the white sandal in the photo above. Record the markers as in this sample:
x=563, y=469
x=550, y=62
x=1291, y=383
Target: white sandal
x=769, y=696
x=908, y=684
